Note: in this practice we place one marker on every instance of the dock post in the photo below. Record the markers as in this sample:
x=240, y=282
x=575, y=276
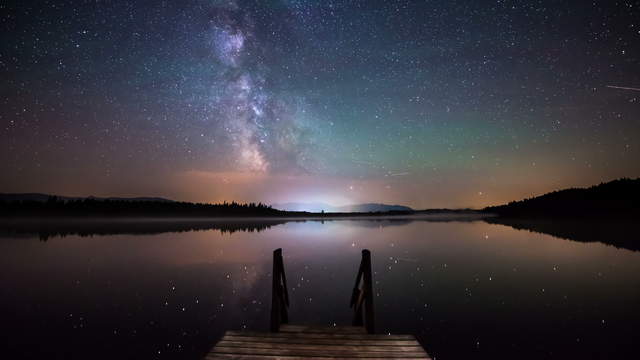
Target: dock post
x=368, y=292
x=362, y=296
x=279, y=293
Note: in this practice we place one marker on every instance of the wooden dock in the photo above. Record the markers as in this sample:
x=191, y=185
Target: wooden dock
x=294, y=342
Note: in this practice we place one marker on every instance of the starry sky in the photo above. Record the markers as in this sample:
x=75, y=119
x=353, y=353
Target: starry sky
x=444, y=103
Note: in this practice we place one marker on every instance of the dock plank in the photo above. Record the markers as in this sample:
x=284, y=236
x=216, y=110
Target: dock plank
x=272, y=357
x=324, y=341
x=332, y=347
x=318, y=353
x=297, y=342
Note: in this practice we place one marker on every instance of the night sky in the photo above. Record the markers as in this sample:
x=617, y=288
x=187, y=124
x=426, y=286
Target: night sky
x=423, y=103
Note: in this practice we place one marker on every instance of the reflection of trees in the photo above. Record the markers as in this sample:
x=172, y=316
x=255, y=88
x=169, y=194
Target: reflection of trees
x=619, y=233
x=52, y=227
x=46, y=229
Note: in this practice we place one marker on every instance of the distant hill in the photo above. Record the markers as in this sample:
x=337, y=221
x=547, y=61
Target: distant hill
x=373, y=207
x=44, y=197
x=319, y=207
x=309, y=207
x=618, y=198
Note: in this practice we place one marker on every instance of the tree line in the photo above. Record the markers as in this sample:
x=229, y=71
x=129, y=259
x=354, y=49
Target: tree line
x=93, y=207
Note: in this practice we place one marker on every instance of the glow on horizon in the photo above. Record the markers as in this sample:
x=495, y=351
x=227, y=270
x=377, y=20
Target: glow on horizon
x=258, y=101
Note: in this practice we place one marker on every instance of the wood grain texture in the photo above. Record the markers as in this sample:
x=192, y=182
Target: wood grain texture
x=272, y=357
x=314, y=342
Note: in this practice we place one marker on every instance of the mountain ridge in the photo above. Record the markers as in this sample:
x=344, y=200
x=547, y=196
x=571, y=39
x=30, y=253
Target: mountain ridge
x=320, y=207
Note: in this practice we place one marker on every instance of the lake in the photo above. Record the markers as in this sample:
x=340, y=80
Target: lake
x=464, y=288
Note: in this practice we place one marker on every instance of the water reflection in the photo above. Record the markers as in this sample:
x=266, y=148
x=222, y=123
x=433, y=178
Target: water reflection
x=49, y=228
x=466, y=289
x=621, y=234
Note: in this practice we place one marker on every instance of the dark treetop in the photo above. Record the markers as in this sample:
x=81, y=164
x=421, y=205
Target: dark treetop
x=614, y=199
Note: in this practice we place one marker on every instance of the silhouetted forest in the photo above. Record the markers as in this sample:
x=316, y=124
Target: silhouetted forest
x=110, y=207
x=125, y=208
x=614, y=199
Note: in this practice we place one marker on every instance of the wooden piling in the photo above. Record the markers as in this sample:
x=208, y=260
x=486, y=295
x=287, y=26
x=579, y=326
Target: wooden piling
x=279, y=293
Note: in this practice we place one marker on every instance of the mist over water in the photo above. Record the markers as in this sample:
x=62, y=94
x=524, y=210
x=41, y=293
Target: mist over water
x=463, y=288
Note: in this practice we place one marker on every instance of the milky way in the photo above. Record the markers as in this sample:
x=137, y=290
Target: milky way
x=263, y=128
x=425, y=103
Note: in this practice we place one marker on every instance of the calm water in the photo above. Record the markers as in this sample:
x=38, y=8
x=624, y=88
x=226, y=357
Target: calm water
x=464, y=288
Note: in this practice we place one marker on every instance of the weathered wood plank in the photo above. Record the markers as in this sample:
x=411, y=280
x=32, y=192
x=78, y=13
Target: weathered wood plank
x=318, y=353
x=333, y=347
x=322, y=336
x=322, y=341
x=275, y=357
